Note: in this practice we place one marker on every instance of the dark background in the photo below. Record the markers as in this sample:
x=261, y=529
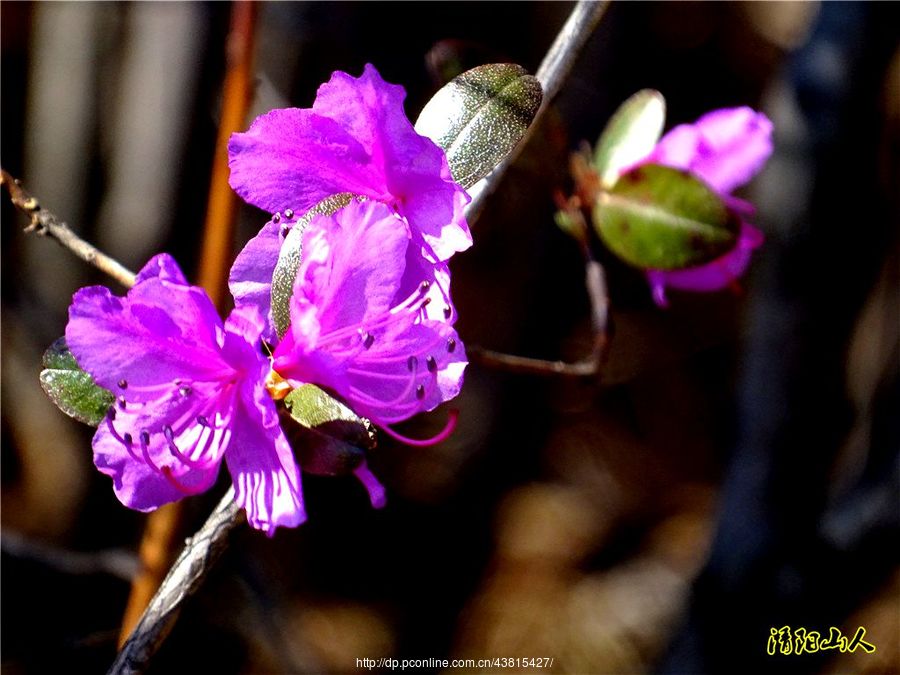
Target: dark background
x=735, y=468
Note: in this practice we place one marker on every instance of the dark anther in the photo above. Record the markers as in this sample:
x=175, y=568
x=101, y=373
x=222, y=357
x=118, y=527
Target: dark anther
x=420, y=392
x=432, y=364
x=367, y=339
x=448, y=310
x=184, y=390
x=426, y=302
x=121, y=402
x=424, y=286
x=276, y=217
x=288, y=213
x=123, y=384
x=202, y=421
x=127, y=437
x=167, y=432
x=145, y=437
x=411, y=363
x=451, y=345
x=111, y=413
x=285, y=230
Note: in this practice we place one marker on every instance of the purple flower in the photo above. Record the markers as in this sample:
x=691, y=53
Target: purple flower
x=356, y=138
x=191, y=392
x=359, y=320
x=725, y=149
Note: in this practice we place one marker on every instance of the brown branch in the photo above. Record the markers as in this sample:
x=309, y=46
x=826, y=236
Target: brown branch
x=552, y=73
x=595, y=282
x=45, y=223
x=183, y=580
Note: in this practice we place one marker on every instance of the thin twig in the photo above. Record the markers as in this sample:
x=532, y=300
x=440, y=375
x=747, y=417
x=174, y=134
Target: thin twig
x=117, y=562
x=595, y=282
x=552, y=73
x=45, y=223
x=183, y=580
x=162, y=527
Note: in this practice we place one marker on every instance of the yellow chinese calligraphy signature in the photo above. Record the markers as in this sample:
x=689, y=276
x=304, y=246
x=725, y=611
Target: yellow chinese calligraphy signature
x=801, y=641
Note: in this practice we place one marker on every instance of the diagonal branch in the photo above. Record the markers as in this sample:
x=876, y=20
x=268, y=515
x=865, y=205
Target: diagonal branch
x=45, y=223
x=552, y=73
x=183, y=580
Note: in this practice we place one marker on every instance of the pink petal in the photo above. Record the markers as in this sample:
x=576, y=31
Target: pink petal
x=725, y=148
x=353, y=262
x=357, y=139
x=159, y=333
x=294, y=158
x=265, y=475
x=713, y=276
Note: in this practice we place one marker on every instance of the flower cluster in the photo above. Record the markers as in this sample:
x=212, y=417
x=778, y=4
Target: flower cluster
x=371, y=318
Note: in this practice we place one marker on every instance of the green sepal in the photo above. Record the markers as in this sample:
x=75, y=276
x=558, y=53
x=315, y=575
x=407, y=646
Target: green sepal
x=331, y=439
x=70, y=388
x=289, y=257
x=480, y=116
x=631, y=134
x=657, y=217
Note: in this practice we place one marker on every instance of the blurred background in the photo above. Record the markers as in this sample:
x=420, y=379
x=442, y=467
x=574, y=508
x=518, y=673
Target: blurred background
x=735, y=466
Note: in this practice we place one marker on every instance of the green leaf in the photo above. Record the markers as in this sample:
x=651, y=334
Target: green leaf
x=70, y=388
x=332, y=437
x=289, y=259
x=662, y=218
x=630, y=135
x=480, y=116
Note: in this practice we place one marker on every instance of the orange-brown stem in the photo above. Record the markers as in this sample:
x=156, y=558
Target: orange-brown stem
x=163, y=525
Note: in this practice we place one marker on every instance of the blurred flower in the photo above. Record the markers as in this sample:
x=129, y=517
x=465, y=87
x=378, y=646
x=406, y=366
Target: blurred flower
x=191, y=392
x=359, y=324
x=725, y=149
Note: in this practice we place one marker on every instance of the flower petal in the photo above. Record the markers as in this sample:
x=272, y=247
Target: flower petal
x=250, y=279
x=353, y=262
x=414, y=370
x=160, y=333
x=294, y=158
x=415, y=169
x=725, y=148
x=265, y=475
x=356, y=139
x=162, y=266
x=713, y=276
x=131, y=447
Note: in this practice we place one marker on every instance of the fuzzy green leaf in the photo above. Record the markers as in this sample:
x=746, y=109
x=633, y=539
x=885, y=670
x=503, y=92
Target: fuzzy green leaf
x=480, y=116
x=630, y=135
x=70, y=388
x=658, y=217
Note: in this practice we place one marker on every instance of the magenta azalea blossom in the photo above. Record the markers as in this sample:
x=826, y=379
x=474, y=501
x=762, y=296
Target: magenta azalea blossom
x=356, y=138
x=359, y=321
x=191, y=392
x=725, y=149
